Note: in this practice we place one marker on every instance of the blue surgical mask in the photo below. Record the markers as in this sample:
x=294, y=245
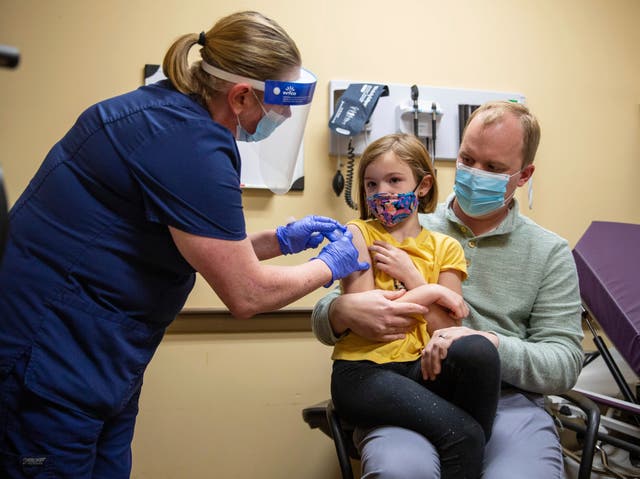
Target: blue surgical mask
x=480, y=192
x=267, y=125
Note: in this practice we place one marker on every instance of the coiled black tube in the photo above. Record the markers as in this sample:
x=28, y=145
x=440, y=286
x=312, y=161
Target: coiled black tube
x=351, y=160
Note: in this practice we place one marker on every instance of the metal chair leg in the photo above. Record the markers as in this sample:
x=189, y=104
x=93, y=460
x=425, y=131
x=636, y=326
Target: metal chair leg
x=339, y=440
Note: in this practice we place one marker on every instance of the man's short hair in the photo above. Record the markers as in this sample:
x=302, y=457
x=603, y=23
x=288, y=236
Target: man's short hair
x=493, y=111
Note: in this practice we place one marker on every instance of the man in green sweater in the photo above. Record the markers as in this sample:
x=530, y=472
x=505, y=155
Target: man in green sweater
x=522, y=293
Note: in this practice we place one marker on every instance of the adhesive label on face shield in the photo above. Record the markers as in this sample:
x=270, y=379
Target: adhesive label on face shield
x=291, y=93
x=288, y=93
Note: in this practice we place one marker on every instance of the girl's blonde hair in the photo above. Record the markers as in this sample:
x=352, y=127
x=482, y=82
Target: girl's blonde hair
x=245, y=43
x=407, y=148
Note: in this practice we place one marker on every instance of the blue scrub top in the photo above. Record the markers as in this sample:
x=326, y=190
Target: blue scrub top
x=91, y=277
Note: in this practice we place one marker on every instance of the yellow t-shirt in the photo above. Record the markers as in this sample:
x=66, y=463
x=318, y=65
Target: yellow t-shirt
x=431, y=253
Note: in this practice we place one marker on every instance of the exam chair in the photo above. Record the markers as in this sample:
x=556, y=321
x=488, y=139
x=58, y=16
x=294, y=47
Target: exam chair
x=607, y=258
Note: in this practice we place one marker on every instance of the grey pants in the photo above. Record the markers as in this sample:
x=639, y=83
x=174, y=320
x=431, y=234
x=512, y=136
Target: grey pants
x=523, y=439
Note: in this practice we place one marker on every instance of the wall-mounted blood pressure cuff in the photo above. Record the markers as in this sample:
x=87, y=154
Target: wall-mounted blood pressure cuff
x=355, y=106
x=278, y=154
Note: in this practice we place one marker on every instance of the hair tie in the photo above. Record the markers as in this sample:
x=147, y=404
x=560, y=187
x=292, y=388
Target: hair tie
x=202, y=39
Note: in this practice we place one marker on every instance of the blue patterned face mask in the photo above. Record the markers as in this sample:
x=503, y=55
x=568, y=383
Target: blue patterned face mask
x=392, y=208
x=480, y=192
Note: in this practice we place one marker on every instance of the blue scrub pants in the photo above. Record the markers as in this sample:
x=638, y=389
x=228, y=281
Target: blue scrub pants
x=42, y=439
x=523, y=439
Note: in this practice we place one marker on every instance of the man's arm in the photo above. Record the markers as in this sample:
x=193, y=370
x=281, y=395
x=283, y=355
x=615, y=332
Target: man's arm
x=320, y=324
x=549, y=359
x=533, y=318
x=371, y=314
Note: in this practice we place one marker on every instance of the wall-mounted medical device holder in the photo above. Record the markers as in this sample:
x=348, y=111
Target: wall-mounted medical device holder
x=394, y=113
x=405, y=113
x=464, y=112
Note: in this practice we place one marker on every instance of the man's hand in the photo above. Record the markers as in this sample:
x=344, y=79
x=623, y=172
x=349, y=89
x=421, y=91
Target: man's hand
x=374, y=315
x=437, y=347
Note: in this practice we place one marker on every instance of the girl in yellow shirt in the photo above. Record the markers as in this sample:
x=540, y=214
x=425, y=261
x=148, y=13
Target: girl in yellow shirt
x=375, y=384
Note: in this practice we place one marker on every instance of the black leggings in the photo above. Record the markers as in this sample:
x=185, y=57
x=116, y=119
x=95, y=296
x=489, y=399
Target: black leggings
x=454, y=412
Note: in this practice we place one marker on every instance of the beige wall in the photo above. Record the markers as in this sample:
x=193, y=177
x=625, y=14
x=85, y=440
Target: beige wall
x=228, y=404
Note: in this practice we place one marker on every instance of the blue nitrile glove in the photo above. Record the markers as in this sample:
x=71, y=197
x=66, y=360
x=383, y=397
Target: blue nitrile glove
x=305, y=233
x=337, y=233
x=341, y=257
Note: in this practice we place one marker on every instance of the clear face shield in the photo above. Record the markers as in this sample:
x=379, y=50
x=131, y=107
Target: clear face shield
x=286, y=101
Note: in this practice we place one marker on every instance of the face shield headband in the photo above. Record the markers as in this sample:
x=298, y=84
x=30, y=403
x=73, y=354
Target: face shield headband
x=279, y=153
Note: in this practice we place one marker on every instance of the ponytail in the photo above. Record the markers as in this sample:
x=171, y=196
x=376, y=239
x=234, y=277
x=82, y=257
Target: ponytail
x=176, y=63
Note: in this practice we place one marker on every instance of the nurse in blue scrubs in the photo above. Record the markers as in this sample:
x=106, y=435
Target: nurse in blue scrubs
x=104, y=243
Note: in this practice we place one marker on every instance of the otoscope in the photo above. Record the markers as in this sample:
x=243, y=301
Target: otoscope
x=414, y=96
x=434, y=111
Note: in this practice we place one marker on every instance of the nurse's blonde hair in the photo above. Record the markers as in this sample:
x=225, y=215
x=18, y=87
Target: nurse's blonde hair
x=245, y=43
